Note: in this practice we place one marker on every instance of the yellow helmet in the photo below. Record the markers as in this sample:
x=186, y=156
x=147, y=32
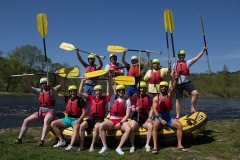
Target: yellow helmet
x=97, y=87
x=163, y=83
x=113, y=54
x=134, y=58
x=155, y=60
x=120, y=87
x=91, y=56
x=181, y=52
x=42, y=80
x=72, y=87
x=143, y=84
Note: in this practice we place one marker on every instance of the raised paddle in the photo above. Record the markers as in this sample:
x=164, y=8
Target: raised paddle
x=42, y=25
x=70, y=47
x=123, y=80
x=204, y=38
x=120, y=49
x=139, y=78
x=166, y=19
x=63, y=72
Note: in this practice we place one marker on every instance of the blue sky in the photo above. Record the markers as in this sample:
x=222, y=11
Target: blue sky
x=92, y=25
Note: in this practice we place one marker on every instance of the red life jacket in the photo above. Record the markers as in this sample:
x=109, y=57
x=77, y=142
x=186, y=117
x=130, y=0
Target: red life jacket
x=182, y=68
x=97, y=110
x=145, y=105
x=72, y=108
x=90, y=68
x=133, y=71
x=115, y=68
x=155, y=77
x=118, y=108
x=164, y=104
x=45, y=99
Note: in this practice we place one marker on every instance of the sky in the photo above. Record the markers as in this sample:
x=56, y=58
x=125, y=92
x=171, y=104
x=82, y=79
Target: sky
x=92, y=25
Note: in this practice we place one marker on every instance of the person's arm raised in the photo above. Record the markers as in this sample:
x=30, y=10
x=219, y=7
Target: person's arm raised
x=80, y=59
x=199, y=55
x=55, y=93
x=80, y=90
x=124, y=59
x=27, y=84
x=99, y=67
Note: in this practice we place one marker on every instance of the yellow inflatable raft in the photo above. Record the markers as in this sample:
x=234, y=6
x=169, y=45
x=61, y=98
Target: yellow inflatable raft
x=192, y=126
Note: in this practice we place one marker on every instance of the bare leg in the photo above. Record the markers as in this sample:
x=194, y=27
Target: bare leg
x=194, y=100
x=48, y=118
x=134, y=125
x=178, y=107
x=75, y=132
x=55, y=127
x=106, y=125
x=81, y=133
x=156, y=125
x=95, y=135
x=149, y=126
x=176, y=124
x=127, y=130
x=26, y=123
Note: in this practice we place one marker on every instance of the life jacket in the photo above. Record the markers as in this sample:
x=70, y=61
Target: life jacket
x=164, y=103
x=145, y=105
x=90, y=68
x=45, y=99
x=115, y=67
x=133, y=71
x=182, y=68
x=155, y=77
x=97, y=110
x=72, y=107
x=118, y=108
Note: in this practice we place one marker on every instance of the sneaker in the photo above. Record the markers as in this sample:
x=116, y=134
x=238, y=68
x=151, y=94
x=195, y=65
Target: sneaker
x=91, y=150
x=16, y=142
x=104, y=149
x=69, y=148
x=148, y=148
x=60, y=144
x=119, y=151
x=39, y=144
x=132, y=149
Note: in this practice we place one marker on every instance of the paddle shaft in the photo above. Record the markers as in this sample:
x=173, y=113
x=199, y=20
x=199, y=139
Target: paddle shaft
x=45, y=53
x=134, y=50
x=103, y=57
x=169, y=65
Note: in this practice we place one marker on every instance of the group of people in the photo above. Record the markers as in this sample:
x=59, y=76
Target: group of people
x=149, y=100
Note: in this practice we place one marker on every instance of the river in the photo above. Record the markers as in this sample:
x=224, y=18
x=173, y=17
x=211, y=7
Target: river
x=13, y=109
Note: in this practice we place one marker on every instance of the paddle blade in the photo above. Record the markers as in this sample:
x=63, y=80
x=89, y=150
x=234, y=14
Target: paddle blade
x=116, y=49
x=42, y=24
x=171, y=21
x=95, y=73
x=125, y=80
x=69, y=72
x=166, y=19
x=67, y=46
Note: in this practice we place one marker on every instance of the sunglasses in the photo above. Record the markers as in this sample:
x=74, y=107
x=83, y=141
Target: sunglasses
x=119, y=90
x=44, y=83
x=163, y=86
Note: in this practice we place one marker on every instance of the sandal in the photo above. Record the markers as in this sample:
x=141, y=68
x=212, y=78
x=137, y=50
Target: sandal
x=79, y=149
x=182, y=149
x=154, y=151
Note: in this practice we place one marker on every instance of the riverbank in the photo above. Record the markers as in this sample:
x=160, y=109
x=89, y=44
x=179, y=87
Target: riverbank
x=221, y=141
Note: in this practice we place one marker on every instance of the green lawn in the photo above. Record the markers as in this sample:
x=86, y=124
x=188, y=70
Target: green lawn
x=221, y=141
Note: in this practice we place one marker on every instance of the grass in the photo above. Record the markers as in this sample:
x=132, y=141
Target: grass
x=221, y=141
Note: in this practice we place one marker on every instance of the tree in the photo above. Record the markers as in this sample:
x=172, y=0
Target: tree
x=226, y=76
x=40, y=63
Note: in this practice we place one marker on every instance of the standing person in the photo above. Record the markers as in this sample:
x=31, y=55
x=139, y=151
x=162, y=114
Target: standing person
x=115, y=65
x=90, y=67
x=46, y=110
x=133, y=71
x=182, y=68
x=97, y=112
x=119, y=113
x=145, y=115
x=155, y=76
x=162, y=105
x=76, y=111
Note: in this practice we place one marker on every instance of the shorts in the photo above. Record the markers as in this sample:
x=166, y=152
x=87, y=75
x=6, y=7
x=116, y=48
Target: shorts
x=89, y=89
x=91, y=123
x=187, y=86
x=152, y=95
x=69, y=121
x=115, y=121
x=142, y=119
x=131, y=90
x=42, y=114
x=165, y=116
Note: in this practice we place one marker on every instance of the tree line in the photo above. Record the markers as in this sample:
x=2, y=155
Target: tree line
x=30, y=59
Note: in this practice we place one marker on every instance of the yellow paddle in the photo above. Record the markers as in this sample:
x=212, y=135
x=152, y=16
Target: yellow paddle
x=70, y=47
x=42, y=25
x=123, y=80
x=120, y=49
x=63, y=72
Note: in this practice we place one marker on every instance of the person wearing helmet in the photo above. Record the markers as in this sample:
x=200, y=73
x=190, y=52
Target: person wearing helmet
x=46, y=110
x=145, y=113
x=76, y=111
x=133, y=70
x=90, y=67
x=115, y=65
x=154, y=76
x=182, y=68
x=119, y=112
x=96, y=112
x=162, y=105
